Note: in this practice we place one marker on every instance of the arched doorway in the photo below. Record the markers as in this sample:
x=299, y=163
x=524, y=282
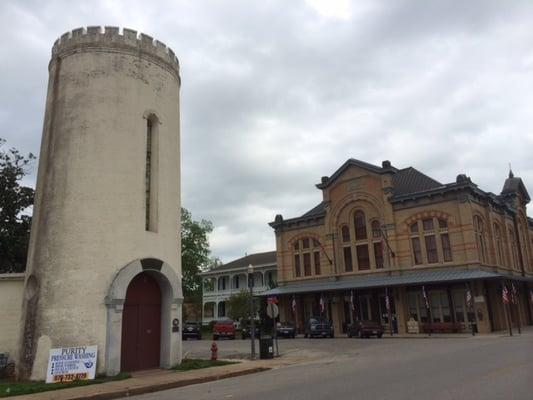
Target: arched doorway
x=141, y=324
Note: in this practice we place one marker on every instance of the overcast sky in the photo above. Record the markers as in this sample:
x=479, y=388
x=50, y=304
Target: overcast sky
x=276, y=94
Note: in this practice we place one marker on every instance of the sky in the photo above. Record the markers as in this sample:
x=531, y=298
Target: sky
x=277, y=94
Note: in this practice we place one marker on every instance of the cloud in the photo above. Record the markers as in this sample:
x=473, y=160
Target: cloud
x=278, y=94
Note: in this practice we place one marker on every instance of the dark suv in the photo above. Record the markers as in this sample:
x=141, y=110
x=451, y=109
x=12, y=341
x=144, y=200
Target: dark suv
x=318, y=327
x=191, y=329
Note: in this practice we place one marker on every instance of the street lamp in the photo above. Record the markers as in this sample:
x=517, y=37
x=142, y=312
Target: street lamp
x=252, y=316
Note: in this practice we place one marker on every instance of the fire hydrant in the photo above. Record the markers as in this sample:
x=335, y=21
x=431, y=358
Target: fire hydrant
x=214, y=351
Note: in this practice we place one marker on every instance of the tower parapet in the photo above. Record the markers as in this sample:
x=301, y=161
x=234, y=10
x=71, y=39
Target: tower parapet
x=112, y=38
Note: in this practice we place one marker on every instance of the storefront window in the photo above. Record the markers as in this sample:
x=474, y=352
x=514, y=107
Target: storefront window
x=440, y=307
x=417, y=308
x=458, y=297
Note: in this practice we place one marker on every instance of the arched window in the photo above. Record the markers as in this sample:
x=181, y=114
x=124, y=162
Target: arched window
x=345, y=231
x=430, y=241
x=360, y=225
x=479, y=232
x=361, y=249
x=376, y=229
x=415, y=244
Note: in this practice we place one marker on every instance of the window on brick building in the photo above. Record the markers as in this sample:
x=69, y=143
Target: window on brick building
x=479, y=232
x=306, y=256
x=348, y=264
x=360, y=225
x=316, y=256
x=499, y=244
x=423, y=233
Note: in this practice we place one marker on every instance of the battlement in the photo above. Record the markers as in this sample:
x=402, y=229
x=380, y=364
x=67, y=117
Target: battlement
x=114, y=38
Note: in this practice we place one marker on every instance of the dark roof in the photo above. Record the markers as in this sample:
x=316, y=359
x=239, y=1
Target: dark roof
x=326, y=181
x=514, y=185
x=317, y=210
x=266, y=258
x=410, y=180
x=426, y=276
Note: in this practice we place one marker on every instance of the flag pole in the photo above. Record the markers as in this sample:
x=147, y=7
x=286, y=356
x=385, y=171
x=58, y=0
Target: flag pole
x=428, y=309
x=389, y=312
x=470, y=305
x=506, y=310
x=516, y=302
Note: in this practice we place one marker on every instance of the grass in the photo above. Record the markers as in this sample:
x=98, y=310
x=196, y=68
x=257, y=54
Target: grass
x=193, y=363
x=16, y=388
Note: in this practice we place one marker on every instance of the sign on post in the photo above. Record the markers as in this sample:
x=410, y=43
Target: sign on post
x=71, y=363
x=272, y=310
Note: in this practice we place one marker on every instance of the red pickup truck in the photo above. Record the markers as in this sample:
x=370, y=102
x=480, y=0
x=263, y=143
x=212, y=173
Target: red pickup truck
x=224, y=328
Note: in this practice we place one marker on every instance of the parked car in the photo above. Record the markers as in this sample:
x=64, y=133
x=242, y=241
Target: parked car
x=246, y=329
x=318, y=327
x=191, y=329
x=365, y=329
x=224, y=328
x=286, y=329
x=246, y=332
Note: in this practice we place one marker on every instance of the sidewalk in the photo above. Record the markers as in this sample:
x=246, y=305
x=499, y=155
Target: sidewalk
x=154, y=380
x=525, y=330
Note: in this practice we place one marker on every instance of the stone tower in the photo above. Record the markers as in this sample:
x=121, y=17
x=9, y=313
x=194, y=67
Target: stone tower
x=104, y=261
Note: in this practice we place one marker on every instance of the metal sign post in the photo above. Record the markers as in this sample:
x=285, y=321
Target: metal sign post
x=273, y=312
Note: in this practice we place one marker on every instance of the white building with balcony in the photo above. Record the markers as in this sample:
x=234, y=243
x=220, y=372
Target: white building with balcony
x=227, y=279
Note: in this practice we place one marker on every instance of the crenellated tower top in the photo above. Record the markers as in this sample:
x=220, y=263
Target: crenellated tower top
x=111, y=37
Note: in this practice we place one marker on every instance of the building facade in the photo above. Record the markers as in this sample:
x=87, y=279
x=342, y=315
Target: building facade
x=104, y=266
x=227, y=279
x=396, y=246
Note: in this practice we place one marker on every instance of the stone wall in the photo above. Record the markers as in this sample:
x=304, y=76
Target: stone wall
x=11, y=291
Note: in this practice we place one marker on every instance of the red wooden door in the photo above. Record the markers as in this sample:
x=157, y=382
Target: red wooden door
x=141, y=324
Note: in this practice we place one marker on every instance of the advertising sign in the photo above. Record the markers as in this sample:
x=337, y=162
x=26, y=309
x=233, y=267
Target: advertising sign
x=71, y=363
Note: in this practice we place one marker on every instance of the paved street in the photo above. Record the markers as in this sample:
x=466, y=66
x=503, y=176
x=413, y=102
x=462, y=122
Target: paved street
x=484, y=367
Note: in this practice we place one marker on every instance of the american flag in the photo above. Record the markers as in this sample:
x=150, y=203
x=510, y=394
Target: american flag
x=352, y=304
x=514, y=294
x=387, y=300
x=322, y=305
x=293, y=304
x=468, y=298
x=505, y=295
x=426, y=301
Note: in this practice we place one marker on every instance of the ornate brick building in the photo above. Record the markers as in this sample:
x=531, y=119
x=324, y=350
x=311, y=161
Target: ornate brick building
x=387, y=233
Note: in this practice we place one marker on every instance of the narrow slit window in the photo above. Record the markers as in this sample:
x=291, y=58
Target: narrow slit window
x=151, y=176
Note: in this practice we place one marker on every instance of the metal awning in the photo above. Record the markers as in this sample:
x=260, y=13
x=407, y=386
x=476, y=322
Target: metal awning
x=393, y=278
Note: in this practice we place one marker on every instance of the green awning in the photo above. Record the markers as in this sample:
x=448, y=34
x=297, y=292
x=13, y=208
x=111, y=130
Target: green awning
x=393, y=278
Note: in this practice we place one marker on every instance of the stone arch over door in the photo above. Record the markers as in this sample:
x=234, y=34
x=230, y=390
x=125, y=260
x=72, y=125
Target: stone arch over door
x=171, y=301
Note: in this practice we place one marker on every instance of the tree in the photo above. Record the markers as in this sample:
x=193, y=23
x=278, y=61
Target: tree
x=14, y=200
x=239, y=306
x=194, y=254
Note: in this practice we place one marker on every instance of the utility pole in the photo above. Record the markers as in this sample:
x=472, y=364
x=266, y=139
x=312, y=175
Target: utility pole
x=252, y=308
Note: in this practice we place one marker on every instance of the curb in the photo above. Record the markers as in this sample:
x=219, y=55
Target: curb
x=165, y=386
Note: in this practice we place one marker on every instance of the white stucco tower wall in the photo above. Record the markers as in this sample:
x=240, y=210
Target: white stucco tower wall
x=89, y=236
